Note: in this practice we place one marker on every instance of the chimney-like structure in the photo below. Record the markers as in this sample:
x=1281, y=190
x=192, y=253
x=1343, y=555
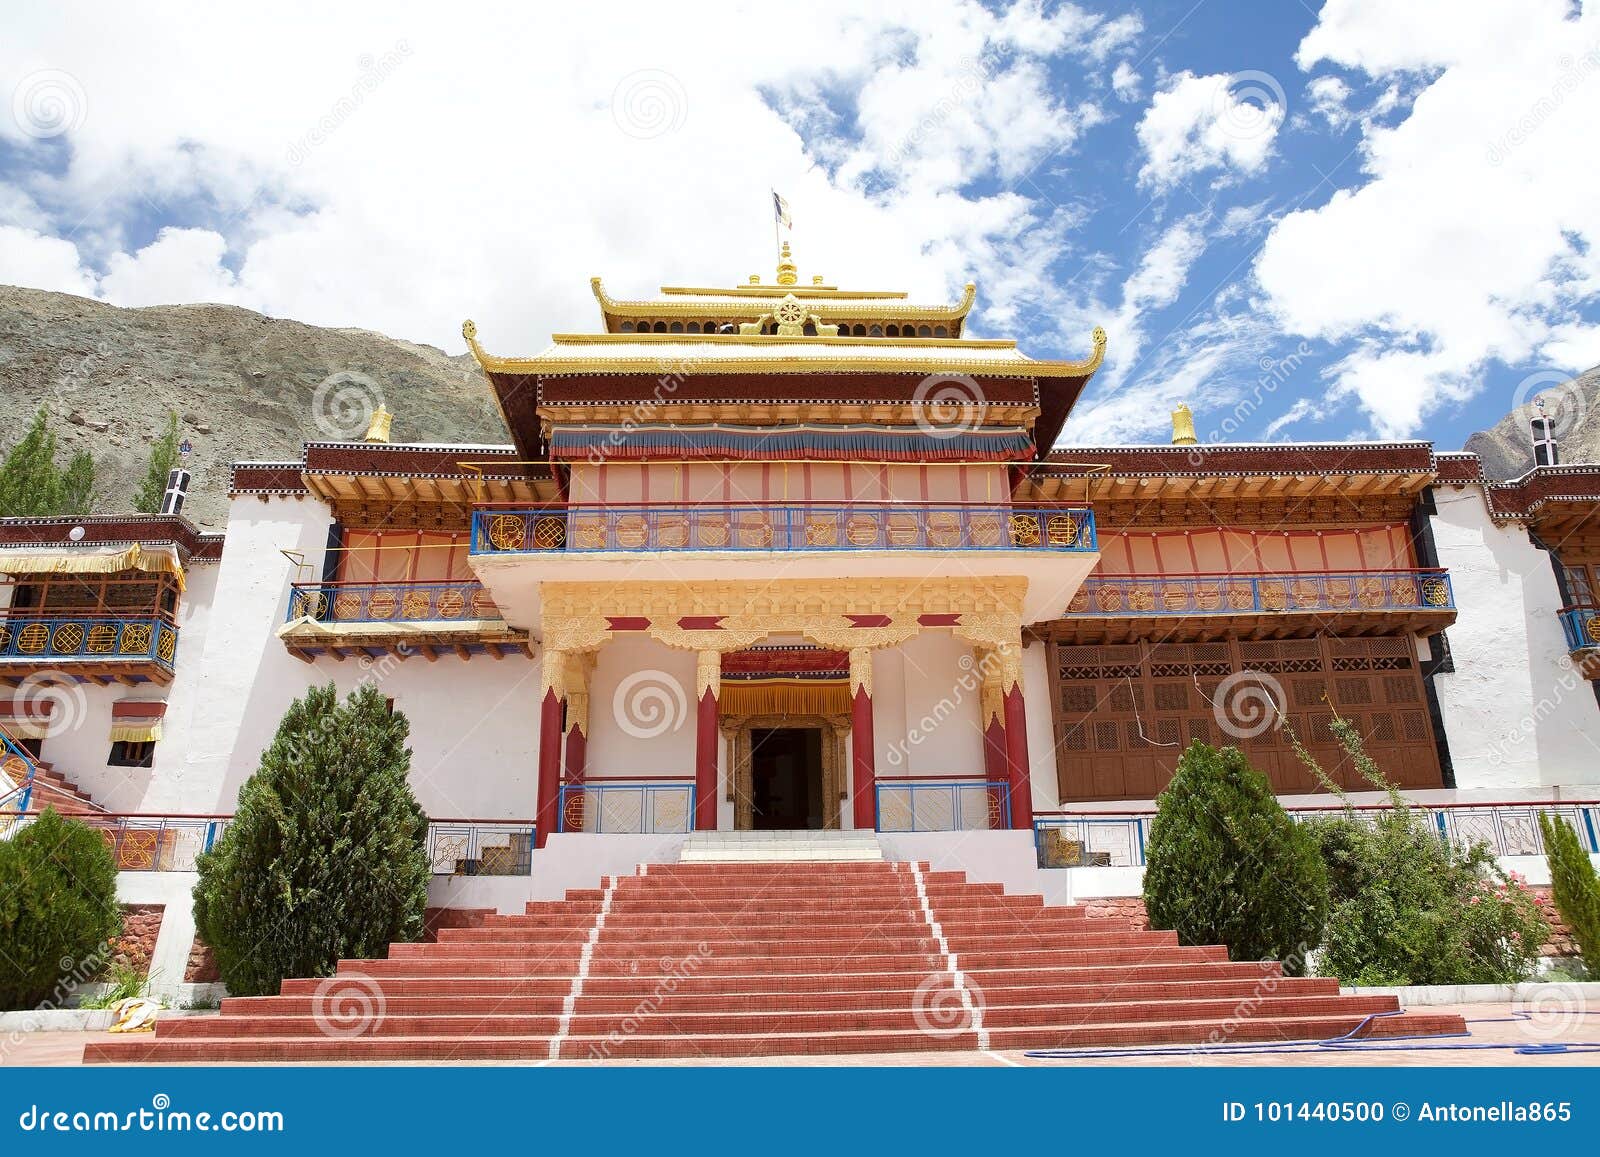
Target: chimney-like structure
x=177, y=490
x=1545, y=451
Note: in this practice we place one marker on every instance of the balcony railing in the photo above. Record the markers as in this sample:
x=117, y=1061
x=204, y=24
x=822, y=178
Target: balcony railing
x=1244, y=594
x=108, y=638
x=783, y=527
x=481, y=847
x=397, y=602
x=1118, y=839
x=943, y=805
x=173, y=843
x=635, y=806
x=1581, y=624
x=17, y=769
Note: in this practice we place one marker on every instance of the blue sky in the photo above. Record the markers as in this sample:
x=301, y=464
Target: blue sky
x=1308, y=221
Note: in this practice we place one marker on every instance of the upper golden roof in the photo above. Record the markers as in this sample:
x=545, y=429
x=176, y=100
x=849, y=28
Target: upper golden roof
x=745, y=303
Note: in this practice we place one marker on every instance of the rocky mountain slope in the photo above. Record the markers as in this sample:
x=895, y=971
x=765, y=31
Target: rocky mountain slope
x=1506, y=448
x=244, y=385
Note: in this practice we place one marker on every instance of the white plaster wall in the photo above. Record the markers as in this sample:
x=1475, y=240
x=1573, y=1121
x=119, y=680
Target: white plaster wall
x=927, y=708
x=245, y=675
x=1516, y=715
x=1036, y=692
x=642, y=715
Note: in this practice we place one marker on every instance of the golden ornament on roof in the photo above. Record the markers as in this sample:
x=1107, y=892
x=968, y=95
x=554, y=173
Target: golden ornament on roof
x=787, y=274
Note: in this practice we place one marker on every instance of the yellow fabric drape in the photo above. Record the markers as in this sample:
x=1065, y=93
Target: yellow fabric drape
x=135, y=732
x=134, y=557
x=784, y=697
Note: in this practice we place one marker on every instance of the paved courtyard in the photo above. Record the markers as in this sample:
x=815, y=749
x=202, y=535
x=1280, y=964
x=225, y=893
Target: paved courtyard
x=1495, y=1024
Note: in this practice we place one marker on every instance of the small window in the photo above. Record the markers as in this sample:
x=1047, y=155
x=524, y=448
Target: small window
x=31, y=746
x=131, y=754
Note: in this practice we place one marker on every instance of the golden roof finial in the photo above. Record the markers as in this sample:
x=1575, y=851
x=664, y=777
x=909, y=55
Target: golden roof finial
x=1183, y=427
x=787, y=274
x=378, y=428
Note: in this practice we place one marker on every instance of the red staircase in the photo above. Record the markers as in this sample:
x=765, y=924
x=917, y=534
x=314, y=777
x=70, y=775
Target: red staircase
x=52, y=789
x=763, y=959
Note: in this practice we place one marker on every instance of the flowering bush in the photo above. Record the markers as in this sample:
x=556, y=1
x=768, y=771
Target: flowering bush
x=1409, y=906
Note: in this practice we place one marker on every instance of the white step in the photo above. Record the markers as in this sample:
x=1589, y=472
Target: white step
x=777, y=847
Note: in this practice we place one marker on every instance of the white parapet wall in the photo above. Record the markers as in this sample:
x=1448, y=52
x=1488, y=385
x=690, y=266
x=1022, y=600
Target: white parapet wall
x=1517, y=716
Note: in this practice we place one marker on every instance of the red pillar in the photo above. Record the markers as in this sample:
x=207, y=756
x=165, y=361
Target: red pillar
x=1017, y=759
x=996, y=763
x=863, y=747
x=548, y=810
x=709, y=682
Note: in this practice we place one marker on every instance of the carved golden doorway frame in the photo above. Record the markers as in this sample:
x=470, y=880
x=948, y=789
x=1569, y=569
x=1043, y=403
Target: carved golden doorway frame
x=835, y=730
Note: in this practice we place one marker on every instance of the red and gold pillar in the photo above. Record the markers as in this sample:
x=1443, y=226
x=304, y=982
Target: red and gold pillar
x=1016, y=733
x=863, y=748
x=552, y=688
x=708, y=686
x=577, y=736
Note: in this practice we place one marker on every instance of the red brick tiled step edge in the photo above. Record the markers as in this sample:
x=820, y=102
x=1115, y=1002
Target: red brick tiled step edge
x=752, y=960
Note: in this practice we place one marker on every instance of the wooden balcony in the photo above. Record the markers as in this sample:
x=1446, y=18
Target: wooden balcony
x=1581, y=625
x=1202, y=607
x=103, y=647
x=339, y=620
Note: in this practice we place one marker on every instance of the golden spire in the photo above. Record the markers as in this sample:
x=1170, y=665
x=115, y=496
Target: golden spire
x=1183, y=427
x=787, y=274
x=378, y=428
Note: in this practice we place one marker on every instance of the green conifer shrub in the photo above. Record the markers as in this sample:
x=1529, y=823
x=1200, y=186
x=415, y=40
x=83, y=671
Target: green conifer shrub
x=326, y=855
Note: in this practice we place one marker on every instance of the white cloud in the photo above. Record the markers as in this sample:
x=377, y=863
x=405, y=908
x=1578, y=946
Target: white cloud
x=1330, y=98
x=404, y=170
x=29, y=258
x=180, y=265
x=1197, y=124
x=1474, y=236
x=1125, y=81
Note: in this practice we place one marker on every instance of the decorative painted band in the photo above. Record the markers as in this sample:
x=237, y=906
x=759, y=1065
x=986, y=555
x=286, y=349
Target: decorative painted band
x=809, y=527
x=643, y=806
x=943, y=805
x=1244, y=594
x=1581, y=624
x=1117, y=840
x=88, y=637
x=397, y=602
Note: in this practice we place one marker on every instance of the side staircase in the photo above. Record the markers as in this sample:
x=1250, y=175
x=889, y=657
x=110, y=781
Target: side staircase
x=775, y=959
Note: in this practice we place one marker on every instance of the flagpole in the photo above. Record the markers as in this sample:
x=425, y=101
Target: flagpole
x=777, y=243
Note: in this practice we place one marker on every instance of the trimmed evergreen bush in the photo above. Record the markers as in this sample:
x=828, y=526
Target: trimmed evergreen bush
x=58, y=910
x=326, y=855
x=1225, y=863
x=1575, y=887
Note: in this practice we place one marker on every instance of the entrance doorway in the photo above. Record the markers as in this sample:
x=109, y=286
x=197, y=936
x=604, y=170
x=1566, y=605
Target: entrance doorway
x=786, y=778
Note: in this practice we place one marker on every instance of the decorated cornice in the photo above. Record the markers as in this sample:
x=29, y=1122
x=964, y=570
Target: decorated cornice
x=192, y=544
x=1243, y=460
x=1544, y=489
x=265, y=478
x=806, y=359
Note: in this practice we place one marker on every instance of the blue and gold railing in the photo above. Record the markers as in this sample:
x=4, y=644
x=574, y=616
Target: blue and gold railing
x=464, y=600
x=103, y=638
x=1119, y=839
x=783, y=527
x=1243, y=594
x=1581, y=625
x=650, y=806
x=943, y=805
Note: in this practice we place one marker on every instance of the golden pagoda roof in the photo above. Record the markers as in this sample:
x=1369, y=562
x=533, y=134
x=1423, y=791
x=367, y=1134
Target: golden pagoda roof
x=743, y=301
x=652, y=353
